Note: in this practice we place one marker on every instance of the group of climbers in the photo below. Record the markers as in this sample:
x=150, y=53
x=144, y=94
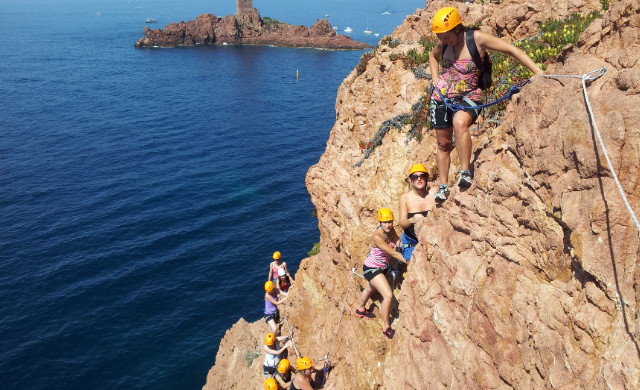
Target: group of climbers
x=276, y=289
x=386, y=245
x=457, y=80
x=276, y=366
x=457, y=63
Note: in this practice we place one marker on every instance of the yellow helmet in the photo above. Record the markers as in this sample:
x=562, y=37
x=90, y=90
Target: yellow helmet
x=417, y=168
x=270, y=384
x=283, y=366
x=445, y=19
x=303, y=363
x=270, y=339
x=385, y=215
x=268, y=286
x=277, y=255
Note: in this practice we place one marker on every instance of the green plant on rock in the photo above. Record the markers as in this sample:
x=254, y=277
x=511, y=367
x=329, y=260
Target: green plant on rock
x=271, y=24
x=315, y=249
x=250, y=356
x=543, y=48
x=415, y=58
x=364, y=60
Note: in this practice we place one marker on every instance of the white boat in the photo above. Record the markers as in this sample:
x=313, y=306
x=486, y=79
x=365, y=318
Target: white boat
x=348, y=29
x=386, y=13
x=377, y=34
x=150, y=20
x=366, y=30
x=335, y=28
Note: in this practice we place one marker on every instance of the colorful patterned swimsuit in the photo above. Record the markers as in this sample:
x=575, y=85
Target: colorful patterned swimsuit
x=458, y=78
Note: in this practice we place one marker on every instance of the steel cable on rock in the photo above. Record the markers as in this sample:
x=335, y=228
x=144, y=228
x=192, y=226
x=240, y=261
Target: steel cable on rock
x=590, y=76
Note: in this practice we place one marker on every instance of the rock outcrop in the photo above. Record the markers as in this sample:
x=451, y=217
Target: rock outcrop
x=247, y=29
x=529, y=279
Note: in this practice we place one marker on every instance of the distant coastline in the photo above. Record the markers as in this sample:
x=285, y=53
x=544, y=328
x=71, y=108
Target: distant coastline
x=247, y=29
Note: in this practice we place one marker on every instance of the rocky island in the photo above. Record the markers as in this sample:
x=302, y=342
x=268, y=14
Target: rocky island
x=247, y=28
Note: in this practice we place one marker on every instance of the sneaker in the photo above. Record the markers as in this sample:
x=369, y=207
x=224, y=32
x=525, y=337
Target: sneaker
x=465, y=179
x=365, y=314
x=388, y=333
x=442, y=193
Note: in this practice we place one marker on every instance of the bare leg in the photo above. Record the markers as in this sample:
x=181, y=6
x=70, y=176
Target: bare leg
x=444, y=154
x=364, y=297
x=381, y=284
x=461, y=122
x=273, y=326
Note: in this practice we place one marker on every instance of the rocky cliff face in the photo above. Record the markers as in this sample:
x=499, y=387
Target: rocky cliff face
x=528, y=279
x=247, y=29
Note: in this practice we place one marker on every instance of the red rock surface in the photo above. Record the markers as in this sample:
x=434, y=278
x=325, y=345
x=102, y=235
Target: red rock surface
x=527, y=280
x=249, y=29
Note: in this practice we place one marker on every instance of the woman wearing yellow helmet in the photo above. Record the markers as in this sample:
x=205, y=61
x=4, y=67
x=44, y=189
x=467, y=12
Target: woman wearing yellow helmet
x=305, y=377
x=384, y=242
x=283, y=374
x=272, y=352
x=271, y=302
x=276, y=265
x=455, y=77
x=414, y=205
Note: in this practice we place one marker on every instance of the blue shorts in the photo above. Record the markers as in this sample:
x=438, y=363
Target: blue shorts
x=408, y=244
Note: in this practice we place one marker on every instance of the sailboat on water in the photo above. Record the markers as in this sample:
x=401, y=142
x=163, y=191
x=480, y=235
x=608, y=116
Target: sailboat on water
x=366, y=30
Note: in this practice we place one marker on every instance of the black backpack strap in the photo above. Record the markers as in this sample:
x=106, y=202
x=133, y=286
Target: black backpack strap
x=473, y=49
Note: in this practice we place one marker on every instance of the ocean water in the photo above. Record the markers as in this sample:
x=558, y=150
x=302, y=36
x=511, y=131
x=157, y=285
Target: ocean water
x=142, y=192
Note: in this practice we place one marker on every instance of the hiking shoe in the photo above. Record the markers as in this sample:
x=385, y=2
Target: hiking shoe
x=465, y=179
x=388, y=333
x=442, y=193
x=365, y=314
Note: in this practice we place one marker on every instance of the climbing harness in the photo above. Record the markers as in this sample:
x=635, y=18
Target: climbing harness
x=590, y=76
x=454, y=105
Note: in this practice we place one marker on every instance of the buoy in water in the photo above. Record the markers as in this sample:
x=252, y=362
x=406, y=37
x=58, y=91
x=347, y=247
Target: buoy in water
x=297, y=74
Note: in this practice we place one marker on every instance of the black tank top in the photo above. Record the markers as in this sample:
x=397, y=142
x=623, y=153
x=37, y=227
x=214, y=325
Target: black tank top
x=293, y=387
x=409, y=232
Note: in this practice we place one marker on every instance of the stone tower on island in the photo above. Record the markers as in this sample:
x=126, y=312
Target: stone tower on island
x=243, y=7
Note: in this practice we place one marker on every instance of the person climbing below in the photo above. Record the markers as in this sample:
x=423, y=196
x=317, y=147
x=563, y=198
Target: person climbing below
x=306, y=375
x=283, y=374
x=456, y=78
x=271, y=384
x=276, y=265
x=272, y=352
x=384, y=241
x=414, y=204
x=271, y=302
x=283, y=281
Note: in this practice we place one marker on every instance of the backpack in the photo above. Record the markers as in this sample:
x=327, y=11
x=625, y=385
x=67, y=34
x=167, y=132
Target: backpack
x=484, y=80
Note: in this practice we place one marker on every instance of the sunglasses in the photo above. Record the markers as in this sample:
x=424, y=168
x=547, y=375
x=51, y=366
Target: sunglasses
x=422, y=176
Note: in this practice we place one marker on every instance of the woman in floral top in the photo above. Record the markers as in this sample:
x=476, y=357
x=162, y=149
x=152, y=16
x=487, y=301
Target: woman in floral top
x=455, y=76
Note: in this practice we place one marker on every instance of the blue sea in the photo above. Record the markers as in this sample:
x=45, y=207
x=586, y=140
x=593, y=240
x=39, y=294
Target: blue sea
x=143, y=191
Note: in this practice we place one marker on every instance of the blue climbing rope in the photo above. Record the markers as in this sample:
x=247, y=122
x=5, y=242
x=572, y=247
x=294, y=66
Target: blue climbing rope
x=451, y=104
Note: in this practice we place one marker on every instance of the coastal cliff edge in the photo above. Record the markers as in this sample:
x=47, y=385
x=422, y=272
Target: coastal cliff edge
x=529, y=279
